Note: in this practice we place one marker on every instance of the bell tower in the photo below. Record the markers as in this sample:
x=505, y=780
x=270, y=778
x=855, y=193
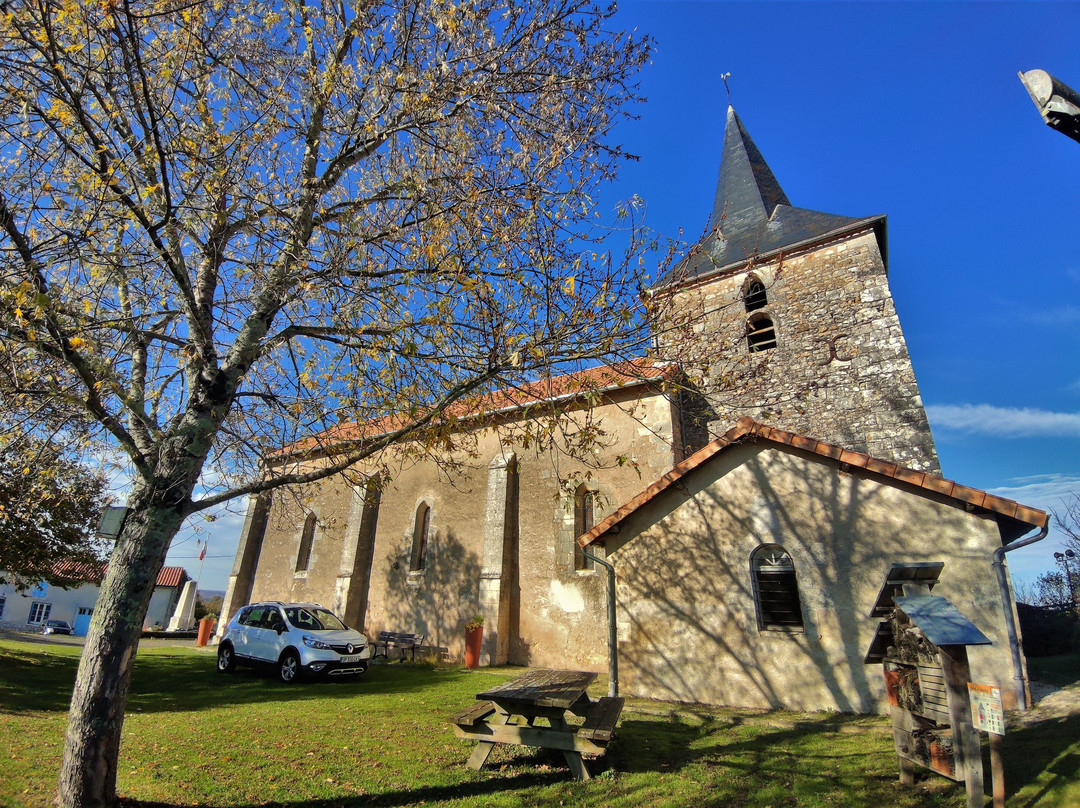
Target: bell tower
x=785, y=314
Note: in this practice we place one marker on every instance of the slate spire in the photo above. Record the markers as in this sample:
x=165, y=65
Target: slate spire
x=746, y=191
x=752, y=216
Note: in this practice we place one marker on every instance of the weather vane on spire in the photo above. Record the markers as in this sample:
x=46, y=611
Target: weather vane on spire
x=724, y=77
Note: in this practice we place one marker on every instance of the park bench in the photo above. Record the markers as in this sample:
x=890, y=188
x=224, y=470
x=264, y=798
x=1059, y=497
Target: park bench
x=470, y=717
x=600, y=719
x=396, y=641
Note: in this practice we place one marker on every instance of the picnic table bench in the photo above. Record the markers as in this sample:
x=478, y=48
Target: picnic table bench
x=508, y=714
x=396, y=641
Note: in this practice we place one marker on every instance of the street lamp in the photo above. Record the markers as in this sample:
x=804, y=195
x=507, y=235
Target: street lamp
x=1064, y=559
x=1057, y=102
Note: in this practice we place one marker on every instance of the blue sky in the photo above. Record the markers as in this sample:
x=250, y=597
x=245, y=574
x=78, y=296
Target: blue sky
x=912, y=109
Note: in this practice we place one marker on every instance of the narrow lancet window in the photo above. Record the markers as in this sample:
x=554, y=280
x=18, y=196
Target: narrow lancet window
x=303, y=557
x=420, y=537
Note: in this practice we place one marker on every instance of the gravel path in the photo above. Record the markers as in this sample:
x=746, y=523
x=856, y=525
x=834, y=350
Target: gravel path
x=1051, y=703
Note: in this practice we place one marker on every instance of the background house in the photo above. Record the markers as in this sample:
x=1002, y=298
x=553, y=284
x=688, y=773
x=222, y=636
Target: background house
x=74, y=601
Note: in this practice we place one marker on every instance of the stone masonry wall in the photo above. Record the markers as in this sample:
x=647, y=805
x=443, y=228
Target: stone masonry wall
x=840, y=371
x=500, y=542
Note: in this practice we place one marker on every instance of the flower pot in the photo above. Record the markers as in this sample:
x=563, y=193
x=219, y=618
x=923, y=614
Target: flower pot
x=473, y=639
x=206, y=626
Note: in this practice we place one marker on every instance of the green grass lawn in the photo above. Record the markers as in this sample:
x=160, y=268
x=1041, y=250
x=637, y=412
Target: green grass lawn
x=197, y=737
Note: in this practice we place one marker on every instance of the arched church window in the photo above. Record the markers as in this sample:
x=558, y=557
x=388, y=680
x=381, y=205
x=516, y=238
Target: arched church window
x=760, y=334
x=307, y=537
x=776, y=591
x=584, y=503
x=755, y=296
x=420, y=536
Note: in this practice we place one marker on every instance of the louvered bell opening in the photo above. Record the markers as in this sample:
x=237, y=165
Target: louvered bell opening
x=760, y=335
x=756, y=298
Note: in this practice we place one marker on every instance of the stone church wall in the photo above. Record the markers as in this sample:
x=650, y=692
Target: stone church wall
x=500, y=542
x=688, y=624
x=840, y=371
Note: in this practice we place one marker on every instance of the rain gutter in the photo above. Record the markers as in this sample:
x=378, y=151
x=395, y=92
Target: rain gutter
x=1010, y=610
x=613, y=629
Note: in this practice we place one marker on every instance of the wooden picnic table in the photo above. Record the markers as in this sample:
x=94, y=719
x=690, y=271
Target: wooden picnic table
x=509, y=714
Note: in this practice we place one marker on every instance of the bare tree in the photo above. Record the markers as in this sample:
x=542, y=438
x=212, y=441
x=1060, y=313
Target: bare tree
x=231, y=225
x=1067, y=519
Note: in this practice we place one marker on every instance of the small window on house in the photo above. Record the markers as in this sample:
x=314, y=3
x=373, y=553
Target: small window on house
x=584, y=503
x=760, y=334
x=420, y=537
x=39, y=612
x=776, y=591
x=755, y=297
x=3, y=602
x=303, y=557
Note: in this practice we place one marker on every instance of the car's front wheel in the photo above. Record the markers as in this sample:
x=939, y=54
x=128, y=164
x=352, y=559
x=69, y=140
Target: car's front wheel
x=226, y=658
x=289, y=667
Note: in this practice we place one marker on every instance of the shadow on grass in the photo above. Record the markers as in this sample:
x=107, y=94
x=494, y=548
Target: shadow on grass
x=165, y=680
x=1040, y=759
x=489, y=786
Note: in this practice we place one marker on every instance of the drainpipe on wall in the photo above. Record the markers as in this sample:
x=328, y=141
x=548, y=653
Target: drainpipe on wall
x=613, y=628
x=1007, y=603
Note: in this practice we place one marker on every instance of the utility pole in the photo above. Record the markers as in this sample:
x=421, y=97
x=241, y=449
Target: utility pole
x=1064, y=559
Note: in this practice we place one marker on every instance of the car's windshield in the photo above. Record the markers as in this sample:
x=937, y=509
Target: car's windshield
x=314, y=619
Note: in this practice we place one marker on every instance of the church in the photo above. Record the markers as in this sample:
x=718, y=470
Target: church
x=782, y=463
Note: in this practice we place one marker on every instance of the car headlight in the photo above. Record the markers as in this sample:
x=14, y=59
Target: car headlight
x=312, y=642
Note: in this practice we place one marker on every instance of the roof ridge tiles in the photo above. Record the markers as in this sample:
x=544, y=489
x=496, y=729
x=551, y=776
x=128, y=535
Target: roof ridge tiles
x=607, y=377
x=747, y=429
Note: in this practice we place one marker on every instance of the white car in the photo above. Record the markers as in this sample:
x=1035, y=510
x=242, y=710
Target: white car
x=294, y=638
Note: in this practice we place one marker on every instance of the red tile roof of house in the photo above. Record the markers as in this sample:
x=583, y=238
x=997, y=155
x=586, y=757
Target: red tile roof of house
x=600, y=379
x=748, y=430
x=94, y=573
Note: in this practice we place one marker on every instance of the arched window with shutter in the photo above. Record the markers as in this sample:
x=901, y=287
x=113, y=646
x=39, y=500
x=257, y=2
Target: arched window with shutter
x=776, y=590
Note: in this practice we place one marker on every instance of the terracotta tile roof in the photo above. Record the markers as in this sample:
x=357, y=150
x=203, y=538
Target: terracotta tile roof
x=600, y=379
x=171, y=576
x=749, y=430
x=94, y=573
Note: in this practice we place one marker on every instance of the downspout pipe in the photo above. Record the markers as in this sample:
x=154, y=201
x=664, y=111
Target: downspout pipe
x=613, y=628
x=1007, y=604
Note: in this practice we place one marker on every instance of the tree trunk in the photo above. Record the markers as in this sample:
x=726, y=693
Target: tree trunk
x=92, y=745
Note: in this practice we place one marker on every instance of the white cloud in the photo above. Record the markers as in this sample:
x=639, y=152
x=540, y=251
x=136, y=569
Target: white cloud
x=1045, y=491
x=1055, y=317
x=1004, y=422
